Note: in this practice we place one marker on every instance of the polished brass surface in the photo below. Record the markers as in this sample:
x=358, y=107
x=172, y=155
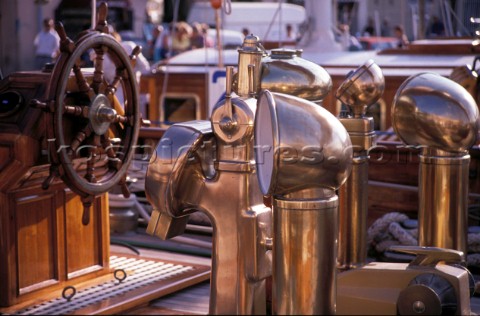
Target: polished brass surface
x=284, y=71
x=177, y=186
x=434, y=111
x=299, y=146
x=362, y=88
x=243, y=111
x=303, y=154
x=209, y=166
x=250, y=53
x=441, y=116
x=361, y=132
x=443, y=222
x=304, y=272
x=353, y=205
x=300, y=154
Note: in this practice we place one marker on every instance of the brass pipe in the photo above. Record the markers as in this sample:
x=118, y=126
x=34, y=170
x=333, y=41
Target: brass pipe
x=353, y=201
x=304, y=256
x=443, y=200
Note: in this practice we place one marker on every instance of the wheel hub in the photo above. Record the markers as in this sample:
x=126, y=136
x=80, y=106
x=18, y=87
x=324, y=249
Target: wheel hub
x=101, y=114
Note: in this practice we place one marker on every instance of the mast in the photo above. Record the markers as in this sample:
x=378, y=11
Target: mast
x=319, y=35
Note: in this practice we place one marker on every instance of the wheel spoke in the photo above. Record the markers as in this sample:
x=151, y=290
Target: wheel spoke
x=134, y=55
x=98, y=73
x=112, y=88
x=92, y=157
x=76, y=110
x=102, y=25
x=124, y=187
x=82, y=82
x=113, y=160
x=80, y=138
x=66, y=44
x=122, y=119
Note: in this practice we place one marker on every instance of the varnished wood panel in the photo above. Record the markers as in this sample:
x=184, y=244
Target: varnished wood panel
x=82, y=245
x=86, y=245
x=394, y=163
x=35, y=221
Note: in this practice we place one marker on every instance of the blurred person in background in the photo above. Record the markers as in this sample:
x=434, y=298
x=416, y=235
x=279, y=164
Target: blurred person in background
x=47, y=44
x=197, y=40
x=200, y=37
x=369, y=29
x=181, y=38
x=402, y=39
x=348, y=41
x=385, y=29
x=209, y=42
x=160, y=49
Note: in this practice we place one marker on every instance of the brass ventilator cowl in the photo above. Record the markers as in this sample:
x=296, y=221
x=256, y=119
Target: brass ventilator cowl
x=434, y=111
x=299, y=146
x=284, y=71
x=439, y=116
x=362, y=88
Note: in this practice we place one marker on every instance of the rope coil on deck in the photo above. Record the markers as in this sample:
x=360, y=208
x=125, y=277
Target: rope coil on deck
x=398, y=229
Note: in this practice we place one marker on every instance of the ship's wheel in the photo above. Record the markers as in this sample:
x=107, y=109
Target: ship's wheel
x=92, y=130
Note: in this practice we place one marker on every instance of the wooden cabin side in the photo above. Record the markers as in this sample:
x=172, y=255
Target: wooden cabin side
x=181, y=86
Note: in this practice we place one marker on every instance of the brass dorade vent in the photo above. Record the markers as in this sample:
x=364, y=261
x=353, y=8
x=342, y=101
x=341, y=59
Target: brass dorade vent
x=147, y=278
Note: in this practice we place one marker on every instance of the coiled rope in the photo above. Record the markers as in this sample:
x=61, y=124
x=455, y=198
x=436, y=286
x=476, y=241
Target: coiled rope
x=398, y=229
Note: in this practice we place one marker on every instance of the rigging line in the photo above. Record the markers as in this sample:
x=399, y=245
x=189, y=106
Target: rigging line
x=280, y=22
x=206, y=80
x=271, y=23
x=459, y=22
x=170, y=49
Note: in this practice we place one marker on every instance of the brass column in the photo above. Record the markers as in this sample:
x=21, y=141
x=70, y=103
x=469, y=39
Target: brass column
x=305, y=256
x=440, y=116
x=362, y=88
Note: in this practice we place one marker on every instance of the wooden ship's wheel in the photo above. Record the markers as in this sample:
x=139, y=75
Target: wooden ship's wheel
x=92, y=135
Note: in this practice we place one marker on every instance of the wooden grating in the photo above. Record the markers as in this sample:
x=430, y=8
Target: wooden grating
x=146, y=279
